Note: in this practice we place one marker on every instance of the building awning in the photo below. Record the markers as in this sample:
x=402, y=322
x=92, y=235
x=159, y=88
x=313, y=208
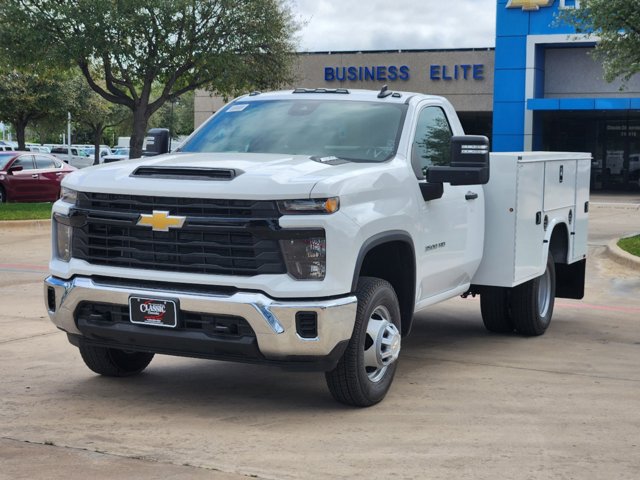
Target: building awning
x=583, y=104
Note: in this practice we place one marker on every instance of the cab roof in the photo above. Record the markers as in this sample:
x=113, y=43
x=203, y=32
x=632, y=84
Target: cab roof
x=384, y=95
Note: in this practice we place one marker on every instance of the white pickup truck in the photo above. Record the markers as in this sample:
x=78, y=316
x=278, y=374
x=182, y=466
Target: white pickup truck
x=305, y=229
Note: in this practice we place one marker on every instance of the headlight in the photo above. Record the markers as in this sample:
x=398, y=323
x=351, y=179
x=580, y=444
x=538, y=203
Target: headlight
x=305, y=257
x=309, y=206
x=63, y=240
x=69, y=196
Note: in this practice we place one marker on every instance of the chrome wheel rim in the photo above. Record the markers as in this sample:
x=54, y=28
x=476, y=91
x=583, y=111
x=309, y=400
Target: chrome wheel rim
x=381, y=344
x=544, y=293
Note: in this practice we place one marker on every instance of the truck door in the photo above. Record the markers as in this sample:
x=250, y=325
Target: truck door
x=451, y=227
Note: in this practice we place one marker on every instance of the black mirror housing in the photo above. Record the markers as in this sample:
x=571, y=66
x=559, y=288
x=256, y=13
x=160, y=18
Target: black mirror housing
x=157, y=141
x=469, y=162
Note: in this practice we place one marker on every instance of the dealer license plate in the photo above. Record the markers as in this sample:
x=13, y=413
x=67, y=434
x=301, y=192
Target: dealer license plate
x=153, y=311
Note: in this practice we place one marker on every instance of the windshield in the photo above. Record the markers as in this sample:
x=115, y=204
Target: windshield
x=358, y=131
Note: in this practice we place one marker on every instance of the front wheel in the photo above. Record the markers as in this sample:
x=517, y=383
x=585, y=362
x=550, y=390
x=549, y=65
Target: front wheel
x=112, y=362
x=3, y=196
x=532, y=302
x=364, y=374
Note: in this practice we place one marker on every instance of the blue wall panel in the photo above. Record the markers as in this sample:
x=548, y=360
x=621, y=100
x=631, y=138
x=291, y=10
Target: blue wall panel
x=510, y=117
x=509, y=52
x=511, y=84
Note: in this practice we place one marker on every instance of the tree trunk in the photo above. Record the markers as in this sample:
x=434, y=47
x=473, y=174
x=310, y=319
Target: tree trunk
x=140, y=122
x=21, y=127
x=97, y=134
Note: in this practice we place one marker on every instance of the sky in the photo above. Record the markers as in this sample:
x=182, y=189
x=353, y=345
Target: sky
x=347, y=25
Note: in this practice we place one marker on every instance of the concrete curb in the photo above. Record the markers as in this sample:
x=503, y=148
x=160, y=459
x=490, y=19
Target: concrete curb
x=618, y=255
x=24, y=224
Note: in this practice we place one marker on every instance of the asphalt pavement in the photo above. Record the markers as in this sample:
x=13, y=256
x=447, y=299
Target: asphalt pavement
x=464, y=403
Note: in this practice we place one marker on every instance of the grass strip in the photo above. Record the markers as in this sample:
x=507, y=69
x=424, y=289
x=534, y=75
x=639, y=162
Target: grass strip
x=631, y=245
x=25, y=211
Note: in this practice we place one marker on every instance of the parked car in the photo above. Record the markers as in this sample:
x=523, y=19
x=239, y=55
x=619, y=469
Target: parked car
x=74, y=156
x=38, y=148
x=104, y=151
x=117, y=155
x=31, y=177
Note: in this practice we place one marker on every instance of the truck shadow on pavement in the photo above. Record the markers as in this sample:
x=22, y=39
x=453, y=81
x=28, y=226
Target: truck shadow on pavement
x=169, y=383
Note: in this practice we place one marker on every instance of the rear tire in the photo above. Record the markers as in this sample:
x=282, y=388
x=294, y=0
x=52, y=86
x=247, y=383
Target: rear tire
x=112, y=362
x=496, y=311
x=364, y=374
x=532, y=302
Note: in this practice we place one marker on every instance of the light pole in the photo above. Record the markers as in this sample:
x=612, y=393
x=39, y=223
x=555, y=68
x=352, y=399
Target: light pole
x=69, y=132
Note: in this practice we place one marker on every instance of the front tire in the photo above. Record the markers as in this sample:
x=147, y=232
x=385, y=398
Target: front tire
x=3, y=196
x=112, y=362
x=532, y=302
x=365, y=372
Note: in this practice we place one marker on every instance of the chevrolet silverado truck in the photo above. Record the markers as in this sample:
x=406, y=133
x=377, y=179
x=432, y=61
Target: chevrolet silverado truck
x=305, y=229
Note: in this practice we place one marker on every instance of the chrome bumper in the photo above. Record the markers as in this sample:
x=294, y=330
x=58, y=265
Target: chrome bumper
x=273, y=321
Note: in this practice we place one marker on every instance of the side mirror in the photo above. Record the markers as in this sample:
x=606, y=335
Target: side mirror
x=469, y=162
x=157, y=142
x=15, y=168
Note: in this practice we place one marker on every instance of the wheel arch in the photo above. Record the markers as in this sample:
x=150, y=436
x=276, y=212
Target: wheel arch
x=570, y=277
x=391, y=256
x=558, y=242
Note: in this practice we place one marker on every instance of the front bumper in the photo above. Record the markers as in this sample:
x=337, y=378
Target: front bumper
x=272, y=321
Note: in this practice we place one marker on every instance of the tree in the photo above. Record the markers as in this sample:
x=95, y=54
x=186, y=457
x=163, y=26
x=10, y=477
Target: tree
x=29, y=96
x=136, y=46
x=617, y=24
x=94, y=112
x=177, y=116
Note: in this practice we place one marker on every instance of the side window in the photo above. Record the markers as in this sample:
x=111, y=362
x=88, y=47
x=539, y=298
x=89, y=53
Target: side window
x=44, y=162
x=432, y=141
x=25, y=161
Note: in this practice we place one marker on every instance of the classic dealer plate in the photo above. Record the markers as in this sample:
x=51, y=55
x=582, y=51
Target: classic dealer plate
x=153, y=311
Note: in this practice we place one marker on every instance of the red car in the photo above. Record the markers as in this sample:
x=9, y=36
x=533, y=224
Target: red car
x=31, y=177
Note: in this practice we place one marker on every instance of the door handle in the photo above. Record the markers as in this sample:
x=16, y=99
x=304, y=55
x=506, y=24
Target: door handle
x=471, y=196
x=34, y=175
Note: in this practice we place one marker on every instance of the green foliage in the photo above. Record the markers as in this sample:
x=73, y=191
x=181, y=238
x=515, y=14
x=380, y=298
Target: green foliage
x=135, y=46
x=631, y=245
x=25, y=211
x=93, y=113
x=177, y=116
x=27, y=96
x=617, y=24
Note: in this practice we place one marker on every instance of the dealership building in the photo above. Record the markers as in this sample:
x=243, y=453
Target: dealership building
x=539, y=89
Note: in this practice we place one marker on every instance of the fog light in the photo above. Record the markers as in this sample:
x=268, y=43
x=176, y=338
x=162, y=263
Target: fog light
x=63, y=241
x=51, y=299
x=305, y=257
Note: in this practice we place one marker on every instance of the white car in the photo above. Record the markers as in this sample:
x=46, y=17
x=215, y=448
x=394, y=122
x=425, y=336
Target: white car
x=74, y=156
x=117, y=155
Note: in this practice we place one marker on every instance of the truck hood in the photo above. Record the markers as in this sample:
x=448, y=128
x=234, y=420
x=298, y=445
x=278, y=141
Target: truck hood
x=259, y=176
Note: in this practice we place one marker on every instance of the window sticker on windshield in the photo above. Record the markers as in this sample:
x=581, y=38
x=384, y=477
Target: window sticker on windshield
x=238, y=108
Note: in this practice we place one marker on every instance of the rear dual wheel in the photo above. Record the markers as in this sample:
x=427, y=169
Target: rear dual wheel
x=527, y=308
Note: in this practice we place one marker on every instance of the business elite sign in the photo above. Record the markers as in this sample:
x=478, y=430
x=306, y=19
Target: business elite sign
x=383, y=73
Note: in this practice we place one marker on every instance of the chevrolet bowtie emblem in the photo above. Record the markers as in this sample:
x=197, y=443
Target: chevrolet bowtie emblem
x=160, y=221
x=529, y=4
